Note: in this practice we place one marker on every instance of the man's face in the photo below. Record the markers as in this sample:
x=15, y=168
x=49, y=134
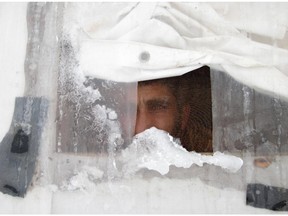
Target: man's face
x=156, y=106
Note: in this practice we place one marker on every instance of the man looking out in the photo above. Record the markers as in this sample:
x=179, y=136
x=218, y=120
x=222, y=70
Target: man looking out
x=179, y=106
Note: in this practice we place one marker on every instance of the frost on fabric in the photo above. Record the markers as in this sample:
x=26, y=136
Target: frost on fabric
x=152, y=149
x=84, y=179
x=155, y=149
x=87, y=108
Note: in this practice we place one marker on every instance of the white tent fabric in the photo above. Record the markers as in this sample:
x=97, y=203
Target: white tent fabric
x=13, y=40
x=138, y=41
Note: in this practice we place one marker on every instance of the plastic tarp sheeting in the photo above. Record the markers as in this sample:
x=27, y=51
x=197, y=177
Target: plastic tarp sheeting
x=72, y=149
x=195, y=35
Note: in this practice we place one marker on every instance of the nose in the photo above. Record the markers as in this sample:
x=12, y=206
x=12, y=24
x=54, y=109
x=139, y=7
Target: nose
x=143, y=122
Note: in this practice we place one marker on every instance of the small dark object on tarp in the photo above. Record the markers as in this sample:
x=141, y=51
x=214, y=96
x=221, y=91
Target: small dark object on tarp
x=20, y=142
x=269, y=197
x=10, y=190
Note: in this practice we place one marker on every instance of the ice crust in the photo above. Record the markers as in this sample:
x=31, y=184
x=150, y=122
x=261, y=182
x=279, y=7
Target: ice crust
x=82, y=180
x=152, y=149
x=156, y=150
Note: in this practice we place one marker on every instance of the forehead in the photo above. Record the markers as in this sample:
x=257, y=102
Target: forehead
x=154, y=90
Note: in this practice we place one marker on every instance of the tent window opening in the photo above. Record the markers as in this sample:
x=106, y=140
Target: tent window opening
x=178, y=105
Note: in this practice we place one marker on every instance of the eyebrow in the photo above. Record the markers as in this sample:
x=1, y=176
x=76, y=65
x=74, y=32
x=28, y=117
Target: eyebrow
x=152, y=103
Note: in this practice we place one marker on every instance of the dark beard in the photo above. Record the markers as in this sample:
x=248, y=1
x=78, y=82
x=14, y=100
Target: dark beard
x=177, y=131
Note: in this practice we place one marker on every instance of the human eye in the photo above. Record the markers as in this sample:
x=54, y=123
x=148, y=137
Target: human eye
x=156, y=106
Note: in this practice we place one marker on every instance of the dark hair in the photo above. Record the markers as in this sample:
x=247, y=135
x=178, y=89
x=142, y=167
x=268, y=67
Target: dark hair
x=171, y=82
x=174, y=84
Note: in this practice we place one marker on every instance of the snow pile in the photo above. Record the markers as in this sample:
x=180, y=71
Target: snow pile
x=83, y=179
x=155, y=149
